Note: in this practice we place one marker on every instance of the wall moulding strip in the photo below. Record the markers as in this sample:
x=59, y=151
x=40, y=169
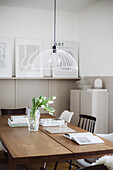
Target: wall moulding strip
x=44, y=78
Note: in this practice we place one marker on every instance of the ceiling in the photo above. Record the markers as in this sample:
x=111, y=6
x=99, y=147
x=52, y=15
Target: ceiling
x=62, y=5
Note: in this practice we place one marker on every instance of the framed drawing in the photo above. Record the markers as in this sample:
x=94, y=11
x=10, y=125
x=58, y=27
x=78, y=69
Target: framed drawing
x=72, y=48
x=26, y=50
x=5, y=57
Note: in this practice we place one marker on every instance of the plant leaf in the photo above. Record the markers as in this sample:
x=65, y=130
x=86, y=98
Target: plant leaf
x=33, y=101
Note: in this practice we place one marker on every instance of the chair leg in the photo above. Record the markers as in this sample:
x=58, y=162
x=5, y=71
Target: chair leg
x=75, y=165
x=6, y=156
x=42, y=168
x=70, y=164
x=56, y=164
x=45, y=165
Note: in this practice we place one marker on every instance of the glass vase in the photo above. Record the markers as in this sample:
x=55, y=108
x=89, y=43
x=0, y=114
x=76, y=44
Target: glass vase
x=33, y=121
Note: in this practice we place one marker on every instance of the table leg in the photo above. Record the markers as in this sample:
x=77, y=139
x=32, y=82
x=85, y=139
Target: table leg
x=11, y=165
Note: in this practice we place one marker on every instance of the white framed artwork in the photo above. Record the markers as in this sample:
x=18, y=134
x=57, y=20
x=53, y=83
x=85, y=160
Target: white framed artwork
x=72, y=48
x=26, y=50
x=5, y=57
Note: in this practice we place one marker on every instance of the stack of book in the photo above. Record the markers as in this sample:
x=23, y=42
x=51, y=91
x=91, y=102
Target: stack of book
x=51, y=122
x=18, y=121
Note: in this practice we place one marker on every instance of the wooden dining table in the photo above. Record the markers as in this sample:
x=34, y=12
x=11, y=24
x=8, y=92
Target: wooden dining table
x=25, y=147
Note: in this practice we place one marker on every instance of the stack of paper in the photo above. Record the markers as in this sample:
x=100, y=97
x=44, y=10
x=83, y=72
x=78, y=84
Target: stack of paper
x=18, y=121
x=51, y=122
x=59, y=130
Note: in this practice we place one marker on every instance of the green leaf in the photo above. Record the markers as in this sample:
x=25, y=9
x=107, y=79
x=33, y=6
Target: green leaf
x=40, y=97
x=37, y=103
x=50, y=98
x=51, y=110
x=33, y=101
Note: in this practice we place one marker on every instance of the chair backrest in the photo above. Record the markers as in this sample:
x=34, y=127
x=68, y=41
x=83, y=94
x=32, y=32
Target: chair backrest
x=66, y=115
x=87, y=122
x=13, y=111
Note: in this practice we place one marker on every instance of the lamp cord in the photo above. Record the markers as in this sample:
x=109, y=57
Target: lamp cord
x=54, y=46
x=54, y=22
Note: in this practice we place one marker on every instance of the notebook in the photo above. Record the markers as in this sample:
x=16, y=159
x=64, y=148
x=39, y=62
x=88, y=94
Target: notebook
x=59, y=130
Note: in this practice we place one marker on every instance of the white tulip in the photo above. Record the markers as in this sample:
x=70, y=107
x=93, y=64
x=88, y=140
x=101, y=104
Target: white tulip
x=54, y=97
x=51, y=113
x=50, y=102
x=45, y=98
x=40, y=100
x=43, y=106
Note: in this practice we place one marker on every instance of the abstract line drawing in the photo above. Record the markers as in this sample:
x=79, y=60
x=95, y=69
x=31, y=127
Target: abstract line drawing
x=2, y=55
x=5, y=57
x=29, y=58
x=26, y=52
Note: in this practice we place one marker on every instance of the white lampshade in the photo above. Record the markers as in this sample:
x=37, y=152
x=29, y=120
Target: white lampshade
x=60, y=64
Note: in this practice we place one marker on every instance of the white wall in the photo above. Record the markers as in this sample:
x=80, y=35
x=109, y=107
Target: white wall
x=95, y=34
x=96, y=39
x=32, y=23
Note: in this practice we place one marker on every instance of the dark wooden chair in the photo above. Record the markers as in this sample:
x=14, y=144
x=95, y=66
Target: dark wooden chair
x=85, y=122
x=13, y=111
x=20, y=111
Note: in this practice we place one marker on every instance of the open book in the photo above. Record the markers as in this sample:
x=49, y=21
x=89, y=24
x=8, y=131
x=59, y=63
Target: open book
x=83, y=138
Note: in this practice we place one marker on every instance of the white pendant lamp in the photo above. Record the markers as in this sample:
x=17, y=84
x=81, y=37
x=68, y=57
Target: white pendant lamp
x=55, y=62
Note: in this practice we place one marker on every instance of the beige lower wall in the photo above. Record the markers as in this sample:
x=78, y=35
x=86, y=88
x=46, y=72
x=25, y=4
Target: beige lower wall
x=62, y=88
x=17, y=93
x=7, y=94
x=107, y=84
